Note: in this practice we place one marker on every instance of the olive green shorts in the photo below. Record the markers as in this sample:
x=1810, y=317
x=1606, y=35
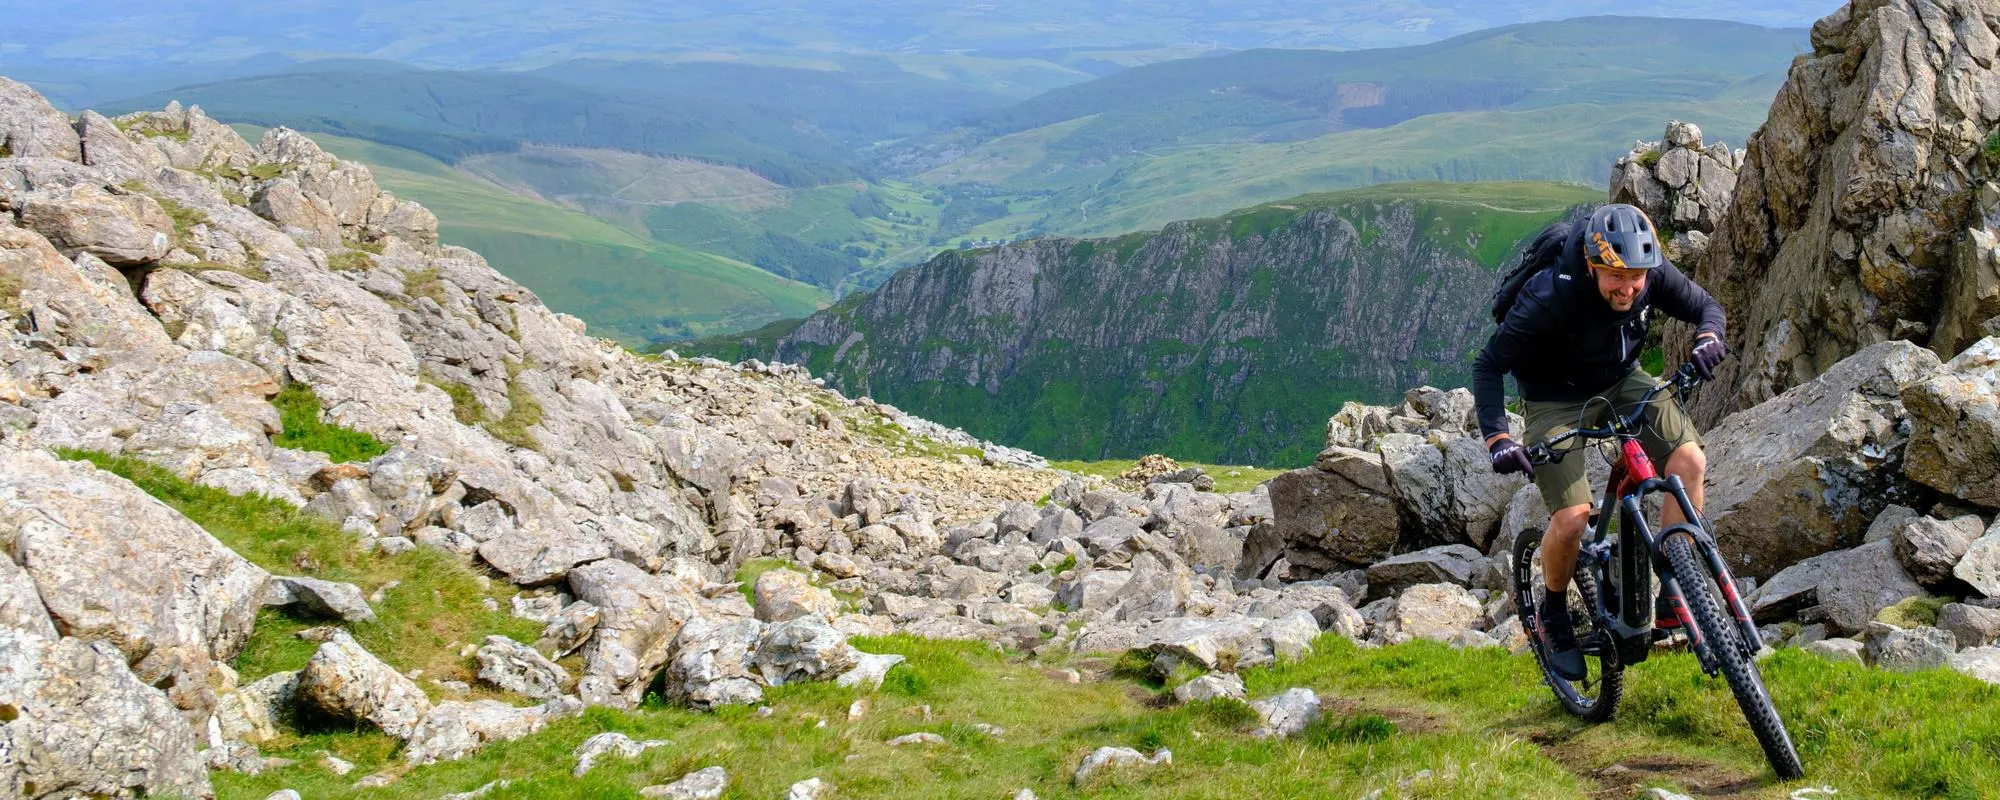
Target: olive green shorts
x=1665, y=428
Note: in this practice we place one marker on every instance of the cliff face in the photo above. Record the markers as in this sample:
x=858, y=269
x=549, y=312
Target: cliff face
x=1864, y=205
x=1226, y=339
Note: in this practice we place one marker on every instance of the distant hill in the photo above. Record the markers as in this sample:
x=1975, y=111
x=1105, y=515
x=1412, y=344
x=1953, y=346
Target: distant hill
x=1225, y=340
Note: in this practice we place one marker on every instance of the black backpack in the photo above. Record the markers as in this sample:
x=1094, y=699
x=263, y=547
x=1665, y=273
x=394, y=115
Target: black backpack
x=1543, y=253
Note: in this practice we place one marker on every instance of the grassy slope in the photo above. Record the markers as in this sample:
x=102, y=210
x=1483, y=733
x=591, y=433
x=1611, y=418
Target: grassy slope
x=633, y=289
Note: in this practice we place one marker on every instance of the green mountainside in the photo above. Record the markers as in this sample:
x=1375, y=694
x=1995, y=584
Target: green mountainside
x=630, y=288
x=1224, y=340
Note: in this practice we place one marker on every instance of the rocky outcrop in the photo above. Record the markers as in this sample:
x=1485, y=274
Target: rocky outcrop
x=1955, y=416
x=1857, y=209
x=1806, y=472
x=1682, y=184
x=31, y=128
x=81, y=724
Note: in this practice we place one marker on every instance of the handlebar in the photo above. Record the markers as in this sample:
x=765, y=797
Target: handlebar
x=1682, y=383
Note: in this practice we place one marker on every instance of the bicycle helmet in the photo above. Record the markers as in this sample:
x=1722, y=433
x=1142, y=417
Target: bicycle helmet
x=1620, y=236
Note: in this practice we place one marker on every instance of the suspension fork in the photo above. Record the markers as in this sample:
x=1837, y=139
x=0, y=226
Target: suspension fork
x=1698, y=641
x=1705, y=544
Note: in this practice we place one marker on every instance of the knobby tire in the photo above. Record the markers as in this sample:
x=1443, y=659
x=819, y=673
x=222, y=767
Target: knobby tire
x=1725, y=644
x=1573, y=695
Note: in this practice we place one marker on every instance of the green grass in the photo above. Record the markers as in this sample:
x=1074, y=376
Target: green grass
x=464, y=406
x=304, y=430
x=10, y=293
x=420, y=623
x=522, y=413
x=1479, y=721
x=251, y=271
x=1992, y=146
x=424, y=283
x=350, y=261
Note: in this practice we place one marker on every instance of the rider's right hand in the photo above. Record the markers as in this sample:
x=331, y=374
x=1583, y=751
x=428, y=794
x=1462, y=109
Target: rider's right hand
x=1510, y=457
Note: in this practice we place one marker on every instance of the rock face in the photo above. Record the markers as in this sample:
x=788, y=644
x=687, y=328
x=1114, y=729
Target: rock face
x=1858, y=206
x=31, y=128
x=991, y=339
x=1806, y=472
x=1955, y=445
x=1682, y=184
x=81, y=724
x=1336, y=514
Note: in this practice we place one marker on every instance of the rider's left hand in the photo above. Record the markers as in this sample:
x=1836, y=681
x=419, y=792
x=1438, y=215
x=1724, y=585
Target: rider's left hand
x=1707, y=353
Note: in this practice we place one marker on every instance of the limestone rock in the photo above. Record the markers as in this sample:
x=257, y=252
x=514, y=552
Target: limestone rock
x=1213, y=686
x=251, y=712
x=517, y=668
x=1804, y=473
x=1837, y=650
x=609, y=744
x=330, y=599
x=31, y=128
x=347, y=681
x=1970, y=625
x=1451, y=563
x=1337, y=514
x=1104, y=758
x=1286, y=714
x=869, y=669
x=1850, y=586
x=1979, y=662
x=707, y=783
x=121, y=229
x=783, y=594
x=1435, y=611
x=1981, y=565
x=711, y=664
x=809, y=789
x=639, y=616
x=83, y=725
x=1903, y=650
x=570, y=628
x=1955, y=447
x=455, y=729
x=802, y=649
x=1929, y=548
x=1852, y=196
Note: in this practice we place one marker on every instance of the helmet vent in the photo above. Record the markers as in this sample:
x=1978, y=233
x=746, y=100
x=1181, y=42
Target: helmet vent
x=1611, y=224
x=1618, y=248
x=1646, y=248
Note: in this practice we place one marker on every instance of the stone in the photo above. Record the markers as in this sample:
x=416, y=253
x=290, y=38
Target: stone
x=1106, y=758
x=638, y=617
x=1851, y=586
x=809, y=789
x=531, y=557
x=1837, y=650
x=348, y=682
x=711, y=666
x=869, y=670
x=783, y=594
x=31, y=128
x=1056, y=523
x=707, y=783
x=1905, y=650
x=1930, y=548
x=1979, y=662
x=1955, y=444
x=83, y=725
x=456, y=729
x=570, y=628
x=921, y=737
x=1452, y=563
x=1337, y=514
x=610, y=743
x=1806, y=472
x=305, y=217
x=1889, y=522
x=109, y=562
x=1158, y=588
x=1970, y=625
x=1980, y=567
x=122, y=229
x=1213, y=686
x=329, y=599
x=802, y=649
x=517, y=668
x=1286, y=714
x=835, y=564
x=1435, y=611
x=251, y=712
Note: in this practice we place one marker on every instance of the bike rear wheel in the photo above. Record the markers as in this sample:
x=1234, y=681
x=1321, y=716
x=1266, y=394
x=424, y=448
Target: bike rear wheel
x=1725, y=644
x=1595, y=697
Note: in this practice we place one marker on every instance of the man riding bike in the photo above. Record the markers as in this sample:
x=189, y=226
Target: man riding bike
x=1572, y=339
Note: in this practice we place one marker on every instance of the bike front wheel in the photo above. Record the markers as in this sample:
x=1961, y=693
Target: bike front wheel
x=1595, y=697
x=1725, y=644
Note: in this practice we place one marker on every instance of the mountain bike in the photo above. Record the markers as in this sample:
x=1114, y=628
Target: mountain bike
x=1610, y=593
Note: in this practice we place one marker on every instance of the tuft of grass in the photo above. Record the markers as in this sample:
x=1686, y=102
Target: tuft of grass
x=184, y=218
x=10, y=294
x=5, y=151
x=1992, y=147
x=424, y=283
x=522, y=413
x=747, y=574
x=251, y=271
x=1650, y=158
x=350, y=261
x=464, y=405
x=1914, y=612
x=1357, y=729
x=436, y=606
x=304, y=430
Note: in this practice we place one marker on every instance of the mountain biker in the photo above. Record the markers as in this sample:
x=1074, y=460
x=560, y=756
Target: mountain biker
x=1572, y=340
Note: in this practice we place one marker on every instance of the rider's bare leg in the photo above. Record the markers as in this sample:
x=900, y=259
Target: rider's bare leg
x=1559, y=546
x=1691, y=464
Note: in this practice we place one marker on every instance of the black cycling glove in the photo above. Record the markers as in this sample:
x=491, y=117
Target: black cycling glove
x=1707, y=353
x=1509, y=457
